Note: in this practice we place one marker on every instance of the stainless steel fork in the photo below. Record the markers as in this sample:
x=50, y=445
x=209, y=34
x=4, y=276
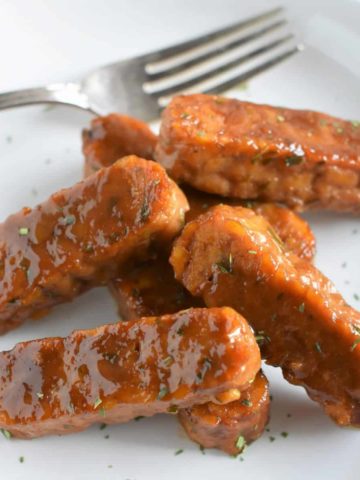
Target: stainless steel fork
x=141, y=86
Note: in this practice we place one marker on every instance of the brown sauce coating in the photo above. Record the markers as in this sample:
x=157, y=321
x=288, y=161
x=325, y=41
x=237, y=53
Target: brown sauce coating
x=116, y=372
x=115, y=136
x=228, y=256
x=150, y=289
x=293, y=230
x=80, y=236
x=303, y=159
x=212, y=425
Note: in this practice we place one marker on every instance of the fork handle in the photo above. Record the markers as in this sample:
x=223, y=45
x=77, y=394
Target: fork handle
x=64, y=93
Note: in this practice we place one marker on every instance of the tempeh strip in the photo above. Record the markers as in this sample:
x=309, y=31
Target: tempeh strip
x=228, y=256
x=117, y=372
x=301, y=158
x=80, y=236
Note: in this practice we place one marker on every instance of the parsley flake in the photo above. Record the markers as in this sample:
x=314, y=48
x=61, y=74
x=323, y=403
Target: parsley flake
x=40, y=395
x=280, y=118
x=294, y=160
x=284, y=434
x=246, y=402
x=301, y=307
x=24, y=231
x=252, y=252
x=355, y=344
x=178, y=452
x=162, y=393
x=318, y=347
x=97, y=403
x=240, y=443
x=21, y=459
x=6, y=433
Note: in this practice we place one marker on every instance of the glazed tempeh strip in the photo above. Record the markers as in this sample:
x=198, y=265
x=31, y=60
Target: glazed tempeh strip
x=112, y=137
x=231, y=426
x=82, y=235
x=228, y=256
x=116, y=372
x=239, y=149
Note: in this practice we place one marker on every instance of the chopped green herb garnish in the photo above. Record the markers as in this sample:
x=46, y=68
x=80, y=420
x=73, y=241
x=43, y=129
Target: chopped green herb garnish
x=23, y=231
x=202, y=449
x=276, y=237
x=185, y=115
x=69, y=219
x=103, y=426
x=227, y=265
x=294, y=160
x=145, y=211
x=21, y=459
x=252, y=252
x=107, y=437
x=240, y=443
x=242, y=86
x=178, y=452
x=246, y=402
x=323, y=122
x=284, y=434
x=200, y=133
x=271, y=438
x=261, y=337
x=97, y=403
x=355, y=344
x=301, y=307
x=169, y=361
x=88, y=248
x=318, y=347
x=162, y=393
x=40, y=395
x=356, y=296
x=355, y=123
x=102, y=411
x=173, y=409
x=138, y=418
x=6, y=433
x=280, y=118
x=205, y=367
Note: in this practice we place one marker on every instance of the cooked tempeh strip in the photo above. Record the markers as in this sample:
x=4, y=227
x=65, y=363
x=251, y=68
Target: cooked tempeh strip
x=150, y=289
x=231, y=426
x=115, y=136
x=117, y=372
x=239, y=149
x=228, y=256
x=81, y=235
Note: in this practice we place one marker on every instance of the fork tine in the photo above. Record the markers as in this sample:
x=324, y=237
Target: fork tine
x=181, y=47
x=186, y=64
x=215, y=69
x=254, y=71
x=232, y=82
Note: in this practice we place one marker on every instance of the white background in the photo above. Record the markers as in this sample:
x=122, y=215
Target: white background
x=46, y=41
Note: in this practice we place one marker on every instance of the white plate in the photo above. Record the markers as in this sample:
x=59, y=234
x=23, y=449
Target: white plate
x=48, y=40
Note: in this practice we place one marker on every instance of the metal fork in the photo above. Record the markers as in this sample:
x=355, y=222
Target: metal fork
x=141, y=86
